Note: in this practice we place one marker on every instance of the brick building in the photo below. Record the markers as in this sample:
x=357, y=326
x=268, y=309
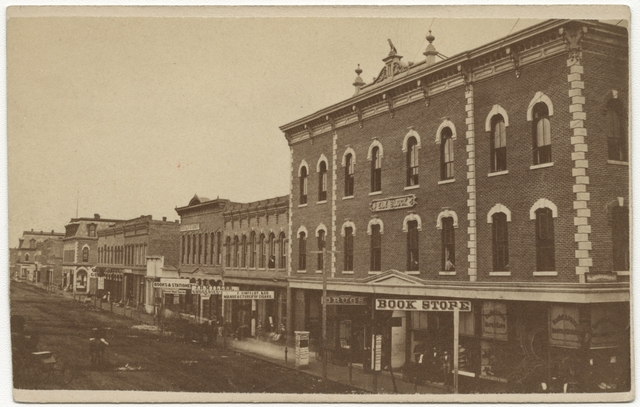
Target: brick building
x=49, y=262
x=497, y=176
x=80, y=252
x=244, y=244
x=25, y=254
x=124, y=249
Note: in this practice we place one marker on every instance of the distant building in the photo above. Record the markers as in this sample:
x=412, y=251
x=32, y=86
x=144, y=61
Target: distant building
x=498, y=176
x=49, y=262
x=80, y=255
x=25, y=254
x=124, y=250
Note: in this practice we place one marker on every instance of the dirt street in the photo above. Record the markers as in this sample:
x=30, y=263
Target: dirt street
x=140, y=360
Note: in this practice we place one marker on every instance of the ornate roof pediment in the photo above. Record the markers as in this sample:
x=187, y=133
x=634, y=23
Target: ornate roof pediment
x=394, y=278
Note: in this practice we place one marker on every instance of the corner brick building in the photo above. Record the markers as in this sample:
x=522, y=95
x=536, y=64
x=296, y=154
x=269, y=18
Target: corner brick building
x=497, y=176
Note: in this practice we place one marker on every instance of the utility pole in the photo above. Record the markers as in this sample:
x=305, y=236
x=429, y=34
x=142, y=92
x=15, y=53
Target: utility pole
x=224, y=333
x=324, y=310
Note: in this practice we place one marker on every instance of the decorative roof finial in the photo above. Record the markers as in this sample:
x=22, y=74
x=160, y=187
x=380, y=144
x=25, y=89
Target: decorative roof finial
x=431, y=52
x=393, y=50
x=358, y=83
x=430, y=37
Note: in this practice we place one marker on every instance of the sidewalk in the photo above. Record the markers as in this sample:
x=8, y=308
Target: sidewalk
x=275, y=353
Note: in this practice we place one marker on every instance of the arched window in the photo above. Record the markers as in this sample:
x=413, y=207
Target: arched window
x=188, y=250
x=376, y=248
x=212, y=249
x=448, y=245
x=545, y=245
x=236, y=252
x=302, y=251
x=272, y=251
x=303, y=185
x=446, y=154
x=263, y=251
x=26, y=257
x=283, y=251
x=227, y=249
x=219, y=249
x=206, y=253
x=620, y=238
x=498, y=144
x=541, y=134
x=245, y=252
x=321, y=245
x=348, y=248
x=85, y=254
x=200, y=251
x=500, y=237
x=349, y=170
x=376, y=170
x=322, y=182
x=412, y=161
x=413, y=250
x=616, y=137
x=252, y=239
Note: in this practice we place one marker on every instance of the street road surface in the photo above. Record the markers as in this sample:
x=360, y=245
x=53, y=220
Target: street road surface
x=140, y=360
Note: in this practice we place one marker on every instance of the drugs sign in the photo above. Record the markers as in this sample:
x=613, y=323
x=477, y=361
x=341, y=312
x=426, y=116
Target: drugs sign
x=422, y=305
x=346, y=300
x=247, y=295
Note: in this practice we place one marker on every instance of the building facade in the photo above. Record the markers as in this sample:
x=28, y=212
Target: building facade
x=25, y=268
x=244, y=245
x=498, y=176
x=49, y=262
x=123, y=252
x=80, y=251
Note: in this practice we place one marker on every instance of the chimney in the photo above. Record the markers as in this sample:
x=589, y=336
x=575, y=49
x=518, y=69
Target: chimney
x=431, y=52
x=358, y=83
x=164, y=218
x=52, y=232
x=96, y=216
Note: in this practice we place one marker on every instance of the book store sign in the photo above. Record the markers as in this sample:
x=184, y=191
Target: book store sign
x=388, y=204
x=422, y=305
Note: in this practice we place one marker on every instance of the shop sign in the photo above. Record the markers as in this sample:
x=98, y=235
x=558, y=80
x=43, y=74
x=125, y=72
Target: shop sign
x=346, y=300
x=601, y=277
x=190, y=227
x=388, y=204
x=247, y=295
x=211, y=290
x=376, y=352
x=302, y=349
x=422, y=305
x=100, y=283
x=564, y=320
x=494, y=320
x=174, y=291
x=178, y=283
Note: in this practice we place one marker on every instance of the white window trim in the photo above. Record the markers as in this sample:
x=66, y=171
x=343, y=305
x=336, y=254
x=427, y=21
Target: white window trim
x=616, y=162
x=373, y=273
x=320, y=160
x=303, y=163
x=446, y=123
x=496, y=110
x=348, y=272
x=500, y=273
x=498, y=208
x=412, y=187
x=321, y=202
x=497, y=173
x=543, y=165
x=447, y=181
x=302, y=205
x=375, y=221
x=348, y=224
x=344, y=198
x=447, y=273
x=623, y=273
x=411, y=133
x=344, y=156
x=537, y=98
x=323, y=228
x=447, y=213
x=373, y=193
x=302, y=228
x=410, y=217
x=545, y=273
x=375, y=143
x=413, y=273
x=543, y=203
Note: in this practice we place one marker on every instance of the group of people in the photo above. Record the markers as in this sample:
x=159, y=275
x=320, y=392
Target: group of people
x=432, y=364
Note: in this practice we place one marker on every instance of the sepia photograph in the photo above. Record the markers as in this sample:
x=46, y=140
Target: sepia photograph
x=319, y=204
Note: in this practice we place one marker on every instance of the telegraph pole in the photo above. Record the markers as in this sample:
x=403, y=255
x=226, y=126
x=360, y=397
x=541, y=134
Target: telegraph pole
x=324, y=310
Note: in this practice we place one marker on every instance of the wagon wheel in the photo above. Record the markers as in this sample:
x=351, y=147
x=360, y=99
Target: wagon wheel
x=62, y=370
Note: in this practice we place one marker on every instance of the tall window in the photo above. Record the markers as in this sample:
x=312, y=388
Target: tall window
x=541, y=134
x=211, y=249
x=302, y=251
x=200, y=251
x=545, y=245
x=446, y=154
x=92, y=230
x=413, y=252
x=184, y=249
x=283, y=250
x=263, y=251
x=219, y=249
x=322, y=182
x=236, y=252
x=412, y=161
x=252, y=243
x=227, y=249
x=206, y=254
x=85, y=254
x=245, y=252
x=448, y=245
x=188, y=251
x=303, y=185
x=272, y=251
x=616, y=139
x=376, y=248
x=376, y=170
x=500, y=242
x=349, y=175
x=620, y=238
x=321, y=245
x=26, y=257
x=348, y=249
x=498, y=144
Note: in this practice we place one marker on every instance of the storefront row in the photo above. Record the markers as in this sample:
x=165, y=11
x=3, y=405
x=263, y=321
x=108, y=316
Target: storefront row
x=503, y=345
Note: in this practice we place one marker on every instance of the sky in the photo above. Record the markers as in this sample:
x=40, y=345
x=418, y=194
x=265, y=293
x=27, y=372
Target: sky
x=129, y=116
